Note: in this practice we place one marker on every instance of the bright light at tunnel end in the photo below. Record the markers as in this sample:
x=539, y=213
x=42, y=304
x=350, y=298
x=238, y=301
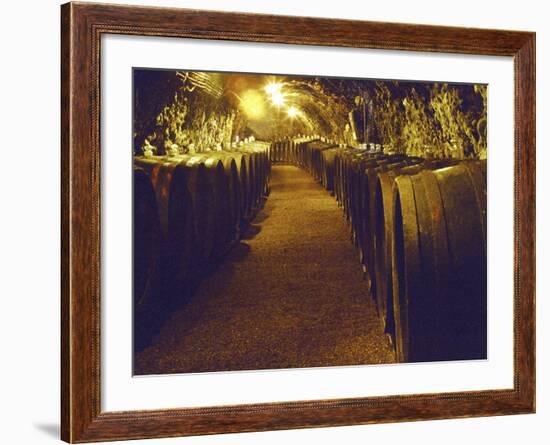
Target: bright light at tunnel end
x=274, y=91
x=273, y=88
x=292, y=112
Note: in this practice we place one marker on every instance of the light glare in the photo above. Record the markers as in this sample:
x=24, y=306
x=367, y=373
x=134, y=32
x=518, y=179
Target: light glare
x=292, y=112
x=273, y=88
x=278, y=98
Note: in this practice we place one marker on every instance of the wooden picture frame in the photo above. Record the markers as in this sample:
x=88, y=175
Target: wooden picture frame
x=82, y=26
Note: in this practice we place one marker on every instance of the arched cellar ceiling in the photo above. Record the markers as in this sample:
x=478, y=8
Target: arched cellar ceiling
x=208, y=109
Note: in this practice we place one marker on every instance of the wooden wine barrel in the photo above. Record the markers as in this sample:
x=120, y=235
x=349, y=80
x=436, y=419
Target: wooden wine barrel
x=308, y=155
x=179, y=246
x=347, y=181
x=236, y=196
x=369, y=223
x=358, y=192
x=366, y=227
x=383, y=229
x=303, y=153
x=364, y=212
x=161, y=174
x=267, y=174
x=338, y=176
x=299, y=147
x=234, y=199
x=273, y=151
x=439, y=264
x=356, y=162
x=383, y=234
x=261, y=163
x=314, y=152
x=264, y=183
x=216, y=174
x=281, y=155
x=147, y=240
x=349, y=156
x=147, y=272
x=242, y=168
x=284, y=151
x=252, y=170
x=319, y=160
x=356, y=186
x=176, y=215
x=258, y=170
x=293, y=158
x=250, y=184
x=328, y=161
x=341, y=178
x=204, y=200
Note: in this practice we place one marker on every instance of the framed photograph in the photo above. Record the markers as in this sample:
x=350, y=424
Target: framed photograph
x=275, y=222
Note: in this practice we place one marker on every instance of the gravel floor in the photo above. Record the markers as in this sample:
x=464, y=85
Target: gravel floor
x=289, y=295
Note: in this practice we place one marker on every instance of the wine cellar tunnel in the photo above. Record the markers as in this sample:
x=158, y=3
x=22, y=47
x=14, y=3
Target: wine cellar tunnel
x=286, y=222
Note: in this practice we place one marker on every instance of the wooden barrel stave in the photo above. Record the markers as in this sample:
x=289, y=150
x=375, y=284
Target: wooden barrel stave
x=405, y=262
x=147, y=239
x=203, y=197
x=465, y=306
x=178, y=249
x=441, y=316
x=383, y=228
x=219, y=182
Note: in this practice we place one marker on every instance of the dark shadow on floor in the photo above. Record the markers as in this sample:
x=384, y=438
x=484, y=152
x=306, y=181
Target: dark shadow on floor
x=236, y=252
x=251, y=231
x=239, y=252
x=261, y=217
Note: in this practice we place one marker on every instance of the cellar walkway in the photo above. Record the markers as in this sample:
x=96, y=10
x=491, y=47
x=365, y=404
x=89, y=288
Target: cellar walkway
x=289, y=295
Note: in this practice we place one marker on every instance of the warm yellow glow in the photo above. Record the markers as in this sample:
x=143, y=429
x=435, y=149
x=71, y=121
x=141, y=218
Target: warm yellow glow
x=253, y=104
x=292, y=112
x=274, y=91
x=278, y=98
x=273, y=88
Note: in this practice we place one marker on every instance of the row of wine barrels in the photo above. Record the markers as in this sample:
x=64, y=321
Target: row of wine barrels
x=188, y=210
x=439, y=264
x=354, y=175
x=338, y=169
x=307, y=153
x=349, y=165
x=147, y=238
x=328, y=158
x=284, y=151
x=314, y=158
x=383, y=229
x=364, y=214
x=186, y=201
x=146, y=260
x=300, y=151
x=155, y=208
x=420, y=230
x=434, y=317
